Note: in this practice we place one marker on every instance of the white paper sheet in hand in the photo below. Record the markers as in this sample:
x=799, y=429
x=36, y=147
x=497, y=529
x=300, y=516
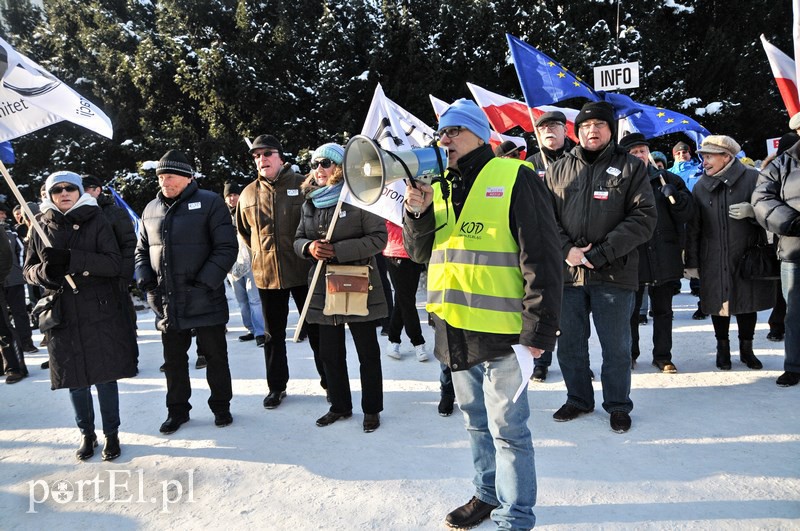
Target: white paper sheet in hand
x=525, y=360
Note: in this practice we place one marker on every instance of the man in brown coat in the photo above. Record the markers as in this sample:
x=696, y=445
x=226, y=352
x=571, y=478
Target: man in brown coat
x=267, y=217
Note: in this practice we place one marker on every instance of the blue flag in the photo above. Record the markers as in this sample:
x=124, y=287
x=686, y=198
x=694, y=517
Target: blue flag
x=7, y=153
x=122, y=204
x=543, y=80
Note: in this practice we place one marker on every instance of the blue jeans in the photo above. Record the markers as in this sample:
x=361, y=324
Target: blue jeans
x=108, y=396
x=246, y=295
x=790, y=283
x=611, y=309
x=502, y=450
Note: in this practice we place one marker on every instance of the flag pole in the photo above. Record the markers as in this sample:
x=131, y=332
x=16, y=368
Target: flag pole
x=29, y=214
x=317, y=271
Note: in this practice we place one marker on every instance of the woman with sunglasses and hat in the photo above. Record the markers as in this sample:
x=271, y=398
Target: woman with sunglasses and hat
x=93, y=342
x=357, y=237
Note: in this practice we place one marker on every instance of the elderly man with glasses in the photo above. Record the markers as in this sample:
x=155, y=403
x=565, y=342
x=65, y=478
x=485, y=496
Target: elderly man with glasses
x=605, y=209
x=494, y=281
x=267, y=217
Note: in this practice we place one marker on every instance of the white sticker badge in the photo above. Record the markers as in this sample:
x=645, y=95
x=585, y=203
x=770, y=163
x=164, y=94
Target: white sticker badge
x=293, y=192
x=194, y=206
x=613, y=171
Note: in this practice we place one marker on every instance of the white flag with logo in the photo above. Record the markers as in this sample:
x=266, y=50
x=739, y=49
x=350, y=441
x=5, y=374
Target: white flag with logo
x=31, y=98
x=394, y=129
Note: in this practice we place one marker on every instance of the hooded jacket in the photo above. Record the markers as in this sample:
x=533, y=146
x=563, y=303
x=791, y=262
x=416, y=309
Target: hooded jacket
x=95, y=342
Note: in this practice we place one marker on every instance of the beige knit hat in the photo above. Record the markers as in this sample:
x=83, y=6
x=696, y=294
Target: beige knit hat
x=720, y=144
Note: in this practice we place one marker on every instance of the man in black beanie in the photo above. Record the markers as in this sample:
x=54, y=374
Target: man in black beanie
x=186, y=246
x=605, y=209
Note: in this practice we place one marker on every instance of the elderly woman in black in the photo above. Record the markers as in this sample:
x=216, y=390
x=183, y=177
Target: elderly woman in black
x=357, y=237
x=94, y=342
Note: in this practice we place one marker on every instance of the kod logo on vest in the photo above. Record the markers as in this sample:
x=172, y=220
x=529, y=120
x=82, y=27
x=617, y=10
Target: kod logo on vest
x=471, y=229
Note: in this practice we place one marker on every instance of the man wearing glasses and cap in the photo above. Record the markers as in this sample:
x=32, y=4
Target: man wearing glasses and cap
x=494, y=281
x=267, y=217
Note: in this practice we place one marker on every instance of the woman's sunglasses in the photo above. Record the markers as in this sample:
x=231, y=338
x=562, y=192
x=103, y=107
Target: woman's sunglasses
x=325, y=163
x=58, y=189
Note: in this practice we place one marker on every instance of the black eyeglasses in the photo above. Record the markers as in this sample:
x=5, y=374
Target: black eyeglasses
x=263, y=154
x=67, y=188
x=449, y=132
x=325, y=163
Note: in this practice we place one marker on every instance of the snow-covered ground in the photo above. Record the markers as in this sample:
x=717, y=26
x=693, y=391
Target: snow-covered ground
x=708, y=449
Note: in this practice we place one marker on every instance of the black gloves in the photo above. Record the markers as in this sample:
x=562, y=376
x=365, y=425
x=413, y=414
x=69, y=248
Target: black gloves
x=146, y=285
x=597, y=258
x=56, y=257
x=669, y=191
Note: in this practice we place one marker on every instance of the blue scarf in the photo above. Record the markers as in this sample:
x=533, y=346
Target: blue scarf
x=327, y=196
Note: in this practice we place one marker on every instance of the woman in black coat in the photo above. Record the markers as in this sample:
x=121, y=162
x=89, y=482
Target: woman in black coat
x=357, y=237
x=723, y=228
x=94, y=343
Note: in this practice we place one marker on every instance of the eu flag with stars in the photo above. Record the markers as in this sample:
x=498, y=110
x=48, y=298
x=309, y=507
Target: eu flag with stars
x=543, y=80
x=652, y=121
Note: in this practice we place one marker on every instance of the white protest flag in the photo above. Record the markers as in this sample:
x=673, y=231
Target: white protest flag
x=394, y=129
x=31, y=98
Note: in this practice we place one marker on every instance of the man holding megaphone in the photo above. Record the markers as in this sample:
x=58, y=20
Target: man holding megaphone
x=489, y=236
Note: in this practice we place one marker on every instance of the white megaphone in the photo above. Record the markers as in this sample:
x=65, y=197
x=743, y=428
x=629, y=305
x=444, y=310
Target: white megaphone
x=368, y=168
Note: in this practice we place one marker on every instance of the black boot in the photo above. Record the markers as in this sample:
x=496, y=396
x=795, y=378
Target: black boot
x=111, y=450
x=86, y=449
x=747, y=356
x=724, y=354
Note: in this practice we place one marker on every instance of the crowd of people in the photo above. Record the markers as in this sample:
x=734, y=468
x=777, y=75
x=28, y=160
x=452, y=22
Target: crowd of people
x=582, y=231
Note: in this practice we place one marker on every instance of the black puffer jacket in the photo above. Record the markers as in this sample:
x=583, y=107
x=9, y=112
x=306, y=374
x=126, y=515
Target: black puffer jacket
x=185, y=249
x=96, y=342
x=715, y=243
x=608, y=203
x=660, y=259
x=776, y=201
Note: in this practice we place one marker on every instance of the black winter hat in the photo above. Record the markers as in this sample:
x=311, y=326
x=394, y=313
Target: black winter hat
x=231, y=188
x=596, y=110
x=90, y=181
x=174, y=162
x=632, y=140
x=267, y=141
x=787, y=141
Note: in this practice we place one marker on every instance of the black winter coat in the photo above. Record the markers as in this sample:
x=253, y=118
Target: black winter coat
x=357, y=237
x=123, y=230
x=661, y=258
x=776, y=201
x=96, y=341
x=608, y=203
x=716, y=242
x=186, y=247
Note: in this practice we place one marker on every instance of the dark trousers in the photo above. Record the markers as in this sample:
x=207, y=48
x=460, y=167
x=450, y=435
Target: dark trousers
x=15, y=297
x=211, y=341
x=380, y=261
x=446, y=381
x=405, y=279
x=661, y=308
x=13, y=358
x=275, y=305
x=108, y=396
x=745, y=322
x=334, y=358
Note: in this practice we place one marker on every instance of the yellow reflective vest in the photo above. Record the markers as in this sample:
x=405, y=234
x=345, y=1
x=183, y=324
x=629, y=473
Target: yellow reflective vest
x=474, y=277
